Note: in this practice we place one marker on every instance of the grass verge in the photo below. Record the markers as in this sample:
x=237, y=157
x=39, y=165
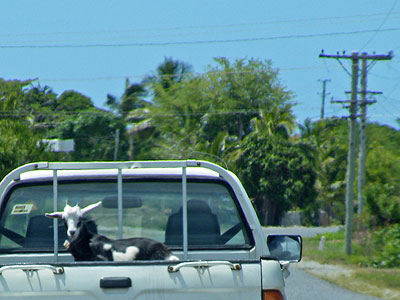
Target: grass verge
x=359, y=276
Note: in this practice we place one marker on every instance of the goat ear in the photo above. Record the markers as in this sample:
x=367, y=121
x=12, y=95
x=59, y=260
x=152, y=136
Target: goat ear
x=90, y=208
x=55, y=215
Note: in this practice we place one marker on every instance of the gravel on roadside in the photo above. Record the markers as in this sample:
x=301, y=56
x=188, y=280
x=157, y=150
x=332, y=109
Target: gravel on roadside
x=323, y=270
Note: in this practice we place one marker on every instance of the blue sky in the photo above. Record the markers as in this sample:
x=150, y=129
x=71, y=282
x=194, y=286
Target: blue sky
x=92, y=46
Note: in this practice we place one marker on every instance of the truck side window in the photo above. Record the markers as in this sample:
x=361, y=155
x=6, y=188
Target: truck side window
x=23, y=222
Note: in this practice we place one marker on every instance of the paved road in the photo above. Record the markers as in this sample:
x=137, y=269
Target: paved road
x=301, y=285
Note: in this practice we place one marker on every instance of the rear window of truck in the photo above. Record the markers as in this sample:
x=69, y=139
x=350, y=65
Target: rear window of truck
x=151, y=208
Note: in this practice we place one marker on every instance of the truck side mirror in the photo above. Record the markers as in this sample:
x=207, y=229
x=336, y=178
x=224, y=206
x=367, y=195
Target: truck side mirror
x=286, y=247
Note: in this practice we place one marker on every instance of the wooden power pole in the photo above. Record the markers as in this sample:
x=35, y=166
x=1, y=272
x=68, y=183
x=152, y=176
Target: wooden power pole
x=363, y=126
x=351, y=155
x=363, y=138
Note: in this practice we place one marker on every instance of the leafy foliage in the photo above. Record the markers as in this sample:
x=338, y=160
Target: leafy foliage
x=279, y=176
x=387, y=245
x=130, y=100
x=210, y=115
x=73, y=102
x=237, y=93
x=31, y=113
x=19, y=136
x=329, y=139
x=19, y=145
x=191, y=113
x=383, y=188
x=169, y=72
x=94, y=135
x=237, y=114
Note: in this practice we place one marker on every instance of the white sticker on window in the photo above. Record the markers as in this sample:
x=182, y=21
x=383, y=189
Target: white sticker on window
x=21, y=209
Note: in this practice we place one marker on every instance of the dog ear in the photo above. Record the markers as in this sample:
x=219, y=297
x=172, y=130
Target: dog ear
x=54, y=215
x=90, y=207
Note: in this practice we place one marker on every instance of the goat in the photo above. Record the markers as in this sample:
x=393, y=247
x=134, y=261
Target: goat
x=86, y=245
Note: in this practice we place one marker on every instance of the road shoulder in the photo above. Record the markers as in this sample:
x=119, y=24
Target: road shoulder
x=344, y=277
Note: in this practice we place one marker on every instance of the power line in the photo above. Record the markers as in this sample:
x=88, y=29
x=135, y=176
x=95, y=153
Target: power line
x=380, y=26
x=198, y=42
x=164, y=114
x=211, y=26
x=118, y=77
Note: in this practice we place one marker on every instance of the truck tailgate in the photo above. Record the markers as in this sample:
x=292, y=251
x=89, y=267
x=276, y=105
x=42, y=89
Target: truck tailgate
x=132, y=281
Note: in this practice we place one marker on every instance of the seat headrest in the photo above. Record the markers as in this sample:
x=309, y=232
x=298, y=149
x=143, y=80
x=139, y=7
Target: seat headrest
x=198, y=206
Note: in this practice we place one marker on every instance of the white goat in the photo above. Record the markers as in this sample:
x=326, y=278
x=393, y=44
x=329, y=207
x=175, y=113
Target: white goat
x=72, y=216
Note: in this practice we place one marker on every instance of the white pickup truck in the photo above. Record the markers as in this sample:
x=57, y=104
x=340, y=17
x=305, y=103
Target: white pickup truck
x=199, y=209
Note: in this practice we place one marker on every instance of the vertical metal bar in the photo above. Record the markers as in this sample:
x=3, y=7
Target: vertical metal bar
x=119, y=203
x=184, y=209
x=55, y=220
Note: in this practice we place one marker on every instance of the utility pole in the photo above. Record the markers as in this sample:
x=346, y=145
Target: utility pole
x=363, y=127
x=363, y=137
x=351, y=156
x=323, y=96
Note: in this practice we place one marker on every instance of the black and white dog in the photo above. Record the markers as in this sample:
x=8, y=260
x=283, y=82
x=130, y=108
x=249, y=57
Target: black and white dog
x=86, y=245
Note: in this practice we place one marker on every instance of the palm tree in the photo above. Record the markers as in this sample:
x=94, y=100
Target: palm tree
x=131, y=99
x=170, y=71
x=278, y=120
x=327, y=139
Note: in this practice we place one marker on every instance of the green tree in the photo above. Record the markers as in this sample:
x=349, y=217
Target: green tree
x=38, y=105
x=40, y=102
x=209, y=115
x=192, y=113
x=177, y=118
x=169, y=72
x=382, y=175
x=19, y=119
x=132, y=98
x=238, y=92
x=19, y=145
x=328, y=137
x=73, y=102
x=94, y=135
x=279, y=176
x=12, y=99
x=31, y=113
x=383, y=186
x=168, y=120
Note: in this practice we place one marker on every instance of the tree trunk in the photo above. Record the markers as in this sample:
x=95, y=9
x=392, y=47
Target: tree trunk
x=273, y=212
x=240, y=129
x=267, y=211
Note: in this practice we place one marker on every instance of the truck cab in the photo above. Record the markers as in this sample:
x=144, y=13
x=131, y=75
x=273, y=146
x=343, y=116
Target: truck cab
x=198, y=209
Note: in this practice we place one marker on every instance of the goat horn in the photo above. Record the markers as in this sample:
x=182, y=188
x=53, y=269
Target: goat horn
x=54, y=215
x=90, y=207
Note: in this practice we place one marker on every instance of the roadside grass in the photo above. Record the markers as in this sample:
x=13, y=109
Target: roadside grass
x=363, y=278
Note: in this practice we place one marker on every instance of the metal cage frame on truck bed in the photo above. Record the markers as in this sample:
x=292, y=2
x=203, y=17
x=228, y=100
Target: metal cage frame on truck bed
x=180, y=167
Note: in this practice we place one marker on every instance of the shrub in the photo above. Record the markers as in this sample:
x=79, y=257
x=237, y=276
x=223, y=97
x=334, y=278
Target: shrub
x=387, y=246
